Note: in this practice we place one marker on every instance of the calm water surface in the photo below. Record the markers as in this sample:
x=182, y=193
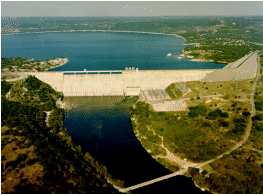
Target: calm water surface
x=101, y=126
x=102, y=50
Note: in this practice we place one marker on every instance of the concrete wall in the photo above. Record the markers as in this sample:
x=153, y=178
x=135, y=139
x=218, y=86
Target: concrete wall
x=160, y=79
x=93, y=85
x=55, y=79
x=246, y=70
x=132, y=91
x=130, y=82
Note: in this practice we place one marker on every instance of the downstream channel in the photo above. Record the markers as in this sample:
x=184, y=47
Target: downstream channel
x=101, y=126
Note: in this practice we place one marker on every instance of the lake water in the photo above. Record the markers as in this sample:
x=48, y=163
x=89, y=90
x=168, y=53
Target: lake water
x=101, y=125
x=102, y=50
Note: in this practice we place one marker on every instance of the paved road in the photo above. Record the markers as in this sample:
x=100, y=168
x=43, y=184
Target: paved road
x=249, y=127
x=21, y=74
x=198, y=165
x=246, y=70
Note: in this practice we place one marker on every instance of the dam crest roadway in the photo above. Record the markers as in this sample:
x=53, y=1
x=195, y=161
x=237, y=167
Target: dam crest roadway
x=115, y=83
x=133, y=82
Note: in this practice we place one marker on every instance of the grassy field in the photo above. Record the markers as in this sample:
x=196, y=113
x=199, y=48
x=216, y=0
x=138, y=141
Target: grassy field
x=9, y=76
x=228, y=89
x=256, y=137
x=196, y=138
x=239, y=172
x=216, y=119
x=19, y=162
x=242, y=168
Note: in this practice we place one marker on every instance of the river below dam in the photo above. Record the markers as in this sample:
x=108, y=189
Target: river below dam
x=101, y=126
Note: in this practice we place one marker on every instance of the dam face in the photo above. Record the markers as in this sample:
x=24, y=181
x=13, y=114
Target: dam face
x=115, y=83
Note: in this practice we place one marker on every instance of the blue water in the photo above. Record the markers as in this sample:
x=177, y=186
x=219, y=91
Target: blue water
x=102, y=50
x=102, y=127
x=101, y=124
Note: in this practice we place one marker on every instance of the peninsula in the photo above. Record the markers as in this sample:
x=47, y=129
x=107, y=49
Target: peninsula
x=215, y=39
x=205, y=124
x=12, y=68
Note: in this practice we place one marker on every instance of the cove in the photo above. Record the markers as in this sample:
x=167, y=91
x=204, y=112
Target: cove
x=103, y=50
x=101, y=125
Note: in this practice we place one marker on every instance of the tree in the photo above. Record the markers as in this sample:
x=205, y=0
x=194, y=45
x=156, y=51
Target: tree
x=5, y=87
x=32, y=83
x=197, y=110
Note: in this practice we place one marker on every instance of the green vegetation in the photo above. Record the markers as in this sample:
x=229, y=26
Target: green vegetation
x=211, y=126
x=196, y=111
x=173, y=91
x=217, y=39
x=261, y=63
x=256, y=136
x=34, y=92
x=220, y=53
x=146, y=24
x=228, y=42
x=242, y=168
x=216, y=113
x=5, y=87
x=214, y=123
x=194, y=138
x=28, y=65
x=38, y=157
x=168, y=165
x=229, y=90
x=9, y=76
x=237, y=173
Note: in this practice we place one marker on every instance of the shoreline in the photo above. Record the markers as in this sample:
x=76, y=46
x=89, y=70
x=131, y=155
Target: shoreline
x=119, y=31
x=63, y=62
x=136, y=134
x=140, y=32
x=201, y=60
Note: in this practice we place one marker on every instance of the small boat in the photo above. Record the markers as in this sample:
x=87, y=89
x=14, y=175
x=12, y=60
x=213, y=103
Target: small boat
x=169, y=54
x=179, y=57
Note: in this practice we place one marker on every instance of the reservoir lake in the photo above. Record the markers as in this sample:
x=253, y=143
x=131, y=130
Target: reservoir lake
x=102, y=50
x=101, y=125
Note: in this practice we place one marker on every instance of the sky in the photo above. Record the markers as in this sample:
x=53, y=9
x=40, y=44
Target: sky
x=130, y=8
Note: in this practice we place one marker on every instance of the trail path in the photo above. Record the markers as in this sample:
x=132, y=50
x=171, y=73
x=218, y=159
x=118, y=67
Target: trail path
x=198, y=165
x=21, y=74
x=170, y=156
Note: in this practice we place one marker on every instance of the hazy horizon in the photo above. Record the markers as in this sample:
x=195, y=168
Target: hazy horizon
x=130, y=8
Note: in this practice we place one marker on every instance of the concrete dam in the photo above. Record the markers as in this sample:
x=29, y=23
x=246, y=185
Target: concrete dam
x=132, y=82
x=115, y=83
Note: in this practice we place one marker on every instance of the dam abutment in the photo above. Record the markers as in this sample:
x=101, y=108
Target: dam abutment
x=115, y=83
x=132, y=82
